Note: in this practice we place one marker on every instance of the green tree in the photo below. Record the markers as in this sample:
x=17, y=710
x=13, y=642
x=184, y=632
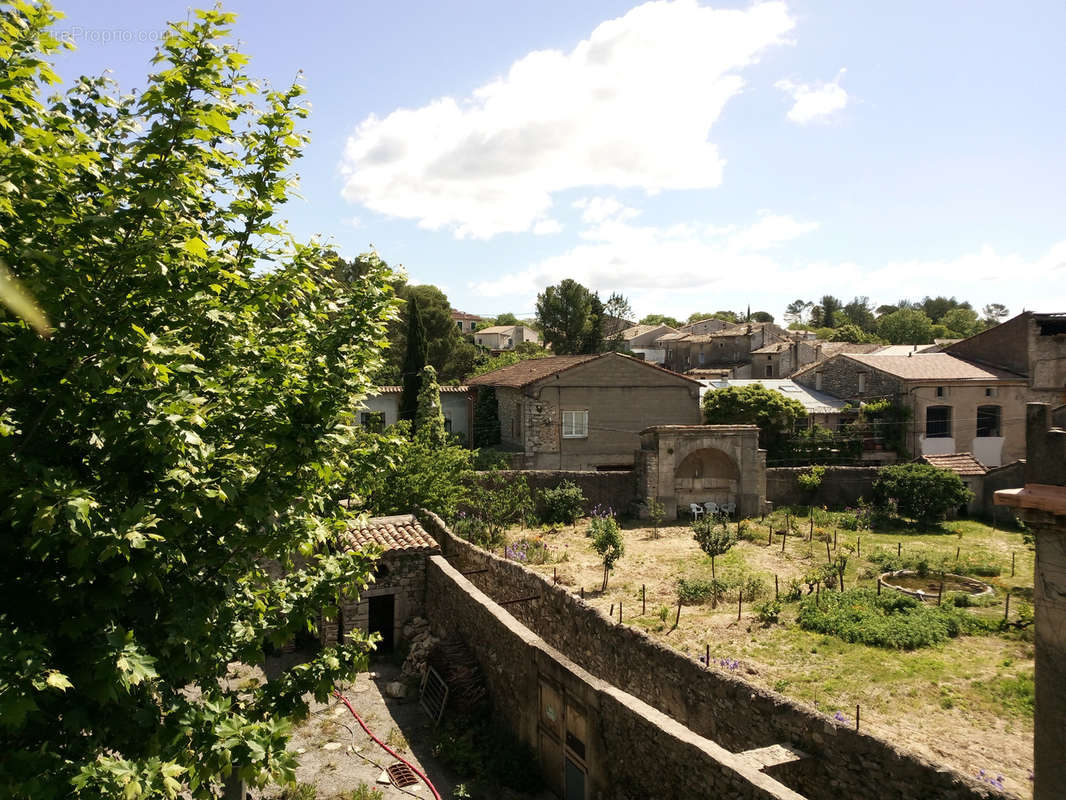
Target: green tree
x=607, y=542
x=796, y=311
x=859, y=312
x=776, y=415
x=189, y=423
x=906, y=326
x=661, y=319
x=571, y=318
x=523, y=351
x=499, y=500
x=961, y=322
x=486, y=418
x=920, y=491
x=848, y=333
x=761, y=316
x=429, y=416
x=832, y=311
x=414, y=361
x=993, y=313
x=936, y=307
x=714, y=540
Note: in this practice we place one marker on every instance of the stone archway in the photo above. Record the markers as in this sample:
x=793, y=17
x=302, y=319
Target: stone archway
x=682, y=464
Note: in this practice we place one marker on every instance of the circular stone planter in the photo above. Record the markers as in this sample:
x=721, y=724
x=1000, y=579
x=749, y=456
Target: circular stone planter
x=927, y=588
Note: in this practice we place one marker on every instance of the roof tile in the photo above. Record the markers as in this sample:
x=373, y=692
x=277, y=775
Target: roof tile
x=402, y=532
x=960, y=463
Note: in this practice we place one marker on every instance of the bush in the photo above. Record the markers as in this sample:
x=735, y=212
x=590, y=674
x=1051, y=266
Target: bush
x=891, y=620
x=694, y=591
x=563, y=504
x=769, y=612
x=919, y=491
x=810, y=480
x=530, y=550
x=607, y=542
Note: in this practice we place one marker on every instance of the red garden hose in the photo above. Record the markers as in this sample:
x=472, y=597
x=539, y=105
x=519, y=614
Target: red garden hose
x=386, y=748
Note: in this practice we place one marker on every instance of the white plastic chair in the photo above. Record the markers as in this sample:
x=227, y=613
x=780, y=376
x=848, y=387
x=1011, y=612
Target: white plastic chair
x=710, y=508
x=729, y=509
x=696, y=509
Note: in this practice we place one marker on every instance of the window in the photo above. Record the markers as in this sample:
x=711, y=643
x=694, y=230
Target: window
x=988, y=421
x=941, y=392
x=818, y=381
x=862, y=382
x=575, y=424
x=938, y=422
x=447, y=423
x=459, y=322
x=373, y=421
x=991, y=391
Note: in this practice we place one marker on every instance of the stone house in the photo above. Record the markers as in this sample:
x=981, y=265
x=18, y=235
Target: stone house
x=505, y=337
x=1031, y=345
x=382, y=409
x=465, y=322
x=642, y=340
x=729, y=347
x=782, y=359
x=398, y=590
x=709, y=325
x=956, y=406
x=586, y=412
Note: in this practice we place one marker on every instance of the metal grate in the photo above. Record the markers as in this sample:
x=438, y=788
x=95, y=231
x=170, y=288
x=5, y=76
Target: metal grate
x=401, y=775
x=434, y=694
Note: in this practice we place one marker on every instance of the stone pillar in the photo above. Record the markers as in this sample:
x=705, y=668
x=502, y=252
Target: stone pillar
x=1049, y=605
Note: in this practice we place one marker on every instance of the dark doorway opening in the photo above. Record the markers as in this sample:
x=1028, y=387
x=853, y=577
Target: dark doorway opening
x=381, y=621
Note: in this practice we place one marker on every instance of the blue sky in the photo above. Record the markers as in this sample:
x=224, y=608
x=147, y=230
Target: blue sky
x=695, y=157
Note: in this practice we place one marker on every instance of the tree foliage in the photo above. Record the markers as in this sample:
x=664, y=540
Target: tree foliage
x=906, y=326
x=486, y=418
x=920, y=491
x=429, y=416
x=661, y=319
x=776, y=415
x=414, y=361
x=190, y=420
x=571, y=318
x=713, y=538
x=608, y=543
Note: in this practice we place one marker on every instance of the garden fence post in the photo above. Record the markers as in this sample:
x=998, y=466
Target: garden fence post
x=879, y=584
x=740, y=603
x=828, y=556
x=856, y=717
x=612, y=610
x=784, y=538
x=899, y=549
x=643, y=599
x=619, y=612
x=1012, y=557
x=775, y=588
x=1006, y=607
x=707, y=657
x=677, y=620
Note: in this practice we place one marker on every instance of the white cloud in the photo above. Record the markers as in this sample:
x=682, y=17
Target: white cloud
x=683, y=268
x=595, y=210
x=544, y=227
x=814, y=100
x=631, y=106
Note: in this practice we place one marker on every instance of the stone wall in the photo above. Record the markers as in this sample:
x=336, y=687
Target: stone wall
x=719, y=706
x=631, y=751
x=397, y=573
x=841, y=486
x=619, y=490
x=840, y=378
x=1009, y=476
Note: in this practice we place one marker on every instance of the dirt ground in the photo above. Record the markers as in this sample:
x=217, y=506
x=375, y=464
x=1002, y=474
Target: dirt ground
x=949, y=703
x=336, y=755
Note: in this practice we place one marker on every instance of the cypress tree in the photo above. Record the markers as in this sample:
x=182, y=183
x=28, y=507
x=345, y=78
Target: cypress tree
x=414, y=360
x=429, y=419
x=486, y=418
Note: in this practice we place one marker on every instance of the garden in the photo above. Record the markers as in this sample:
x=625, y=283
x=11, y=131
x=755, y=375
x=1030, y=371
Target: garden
x=793, y=601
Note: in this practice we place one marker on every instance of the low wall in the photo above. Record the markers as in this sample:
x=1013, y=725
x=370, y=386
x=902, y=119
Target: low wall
x=619, y=490
x=632, y=751
x=1009, y=476
x=721, y=707
x=841, y=486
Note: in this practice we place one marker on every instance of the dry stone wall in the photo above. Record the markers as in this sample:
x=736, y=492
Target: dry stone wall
x=715, y=705
x=616, y=489
x=841, y=486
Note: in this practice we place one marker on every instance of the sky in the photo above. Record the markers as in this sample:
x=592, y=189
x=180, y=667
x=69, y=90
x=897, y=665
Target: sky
x=693, y=156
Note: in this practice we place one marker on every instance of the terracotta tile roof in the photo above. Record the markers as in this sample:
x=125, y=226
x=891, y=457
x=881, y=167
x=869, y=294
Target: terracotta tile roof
x=464, y=315
x=776, y=347
x=399, y=390
x=961, y=463
x=931, y=367
x=529, y=371
x=401, y=532
x=532, y=370
x=640, y=330
x=832, y=348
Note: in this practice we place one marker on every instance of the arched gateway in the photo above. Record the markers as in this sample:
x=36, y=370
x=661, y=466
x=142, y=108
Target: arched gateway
x=682, y=464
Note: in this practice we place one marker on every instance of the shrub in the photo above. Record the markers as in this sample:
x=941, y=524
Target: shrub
x=794, y=591
x=713, y=541
x=692, y=591
x=500, y=500
x=891, y=620
x=769, y=612
x=529, y=550
x=810, y=480
x=607, y=542
x=562, y=504
x=919, y=491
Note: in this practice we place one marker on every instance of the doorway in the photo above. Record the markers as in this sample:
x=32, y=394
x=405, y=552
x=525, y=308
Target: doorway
x=382, y=620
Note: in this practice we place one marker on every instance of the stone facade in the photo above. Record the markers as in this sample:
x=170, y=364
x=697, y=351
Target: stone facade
x=683, y=464
x=841, y=486
x=724, y=709
x=621, y=396
x=730, y=346
x=1042, y=504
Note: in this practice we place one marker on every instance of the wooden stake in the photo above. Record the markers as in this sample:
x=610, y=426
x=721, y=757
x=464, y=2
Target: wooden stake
x=957, y=551
x=1012, y=556
x=619, y=612
x=775, y=588
x=856, y=717
x=707, y=657
x=899, y=549
x=858, y=547
x=784, y=538
x=940, y=591
x=612, y=610
x=643, y=599
x=582, y=592
x=740, y=603
x=879, y=584
x=1006, y=607
x=677, y=621
x=770, y=534
x=828, y=557
x=555, y=575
